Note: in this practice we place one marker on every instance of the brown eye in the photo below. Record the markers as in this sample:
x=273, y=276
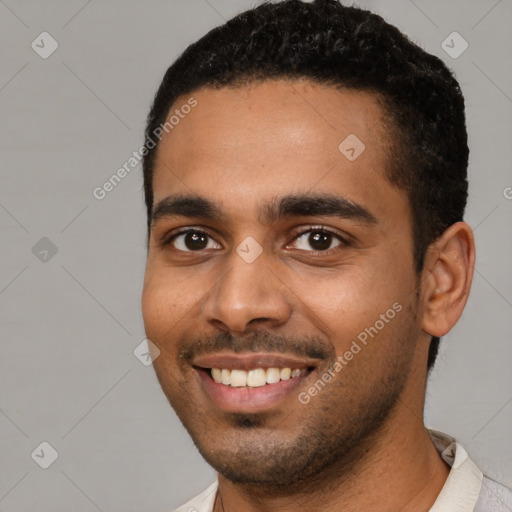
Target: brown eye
x=193, y=240
x=317, y=240
x=320, y=241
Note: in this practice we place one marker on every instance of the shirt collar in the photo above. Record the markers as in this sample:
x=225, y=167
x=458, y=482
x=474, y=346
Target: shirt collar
x=462, y=487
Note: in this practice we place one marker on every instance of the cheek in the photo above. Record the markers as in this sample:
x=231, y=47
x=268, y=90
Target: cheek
x=371, y=304
x=163, y=313
x=165, y=302
x=351, y=296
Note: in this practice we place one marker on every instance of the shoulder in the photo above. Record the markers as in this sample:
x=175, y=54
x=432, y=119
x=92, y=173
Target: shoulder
x=202, y=502
x=494, y=497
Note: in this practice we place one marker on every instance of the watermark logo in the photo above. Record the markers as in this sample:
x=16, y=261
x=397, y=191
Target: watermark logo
x=44, y=45
x=146, y=352
x=44, y=250
x=44, y=455
x=351, y=147
x=454, y=45
x=249, y=250
x=449, y=452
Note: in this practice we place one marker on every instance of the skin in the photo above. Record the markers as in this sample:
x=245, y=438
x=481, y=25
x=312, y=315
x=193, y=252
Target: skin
x=243, y=147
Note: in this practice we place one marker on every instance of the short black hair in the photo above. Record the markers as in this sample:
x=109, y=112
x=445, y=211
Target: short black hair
x=347, y=48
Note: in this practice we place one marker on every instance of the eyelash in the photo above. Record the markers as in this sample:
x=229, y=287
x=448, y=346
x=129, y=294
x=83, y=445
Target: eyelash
x=166, y=241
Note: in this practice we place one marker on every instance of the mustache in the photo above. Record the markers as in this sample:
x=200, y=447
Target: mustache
x=311, y=347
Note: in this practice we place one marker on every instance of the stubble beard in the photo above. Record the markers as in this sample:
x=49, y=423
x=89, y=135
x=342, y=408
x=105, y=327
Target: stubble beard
x=333, y=436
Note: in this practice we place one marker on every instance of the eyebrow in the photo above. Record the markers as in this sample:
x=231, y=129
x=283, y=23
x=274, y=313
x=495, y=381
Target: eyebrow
x=293, y=205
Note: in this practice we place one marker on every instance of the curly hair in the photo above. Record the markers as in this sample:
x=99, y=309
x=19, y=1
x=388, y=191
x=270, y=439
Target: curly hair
x=346, y=48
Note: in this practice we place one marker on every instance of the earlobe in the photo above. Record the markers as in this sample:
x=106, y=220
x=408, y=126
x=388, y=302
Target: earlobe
x=447, y=278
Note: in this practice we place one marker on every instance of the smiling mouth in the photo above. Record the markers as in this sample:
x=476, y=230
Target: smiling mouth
x=251, y=382
x=256, y=377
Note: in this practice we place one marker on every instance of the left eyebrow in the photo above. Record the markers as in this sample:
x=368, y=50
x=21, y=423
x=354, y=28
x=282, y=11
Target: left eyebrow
x=307, y=205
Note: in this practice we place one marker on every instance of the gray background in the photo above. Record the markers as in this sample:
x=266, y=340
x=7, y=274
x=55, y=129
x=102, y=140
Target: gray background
x=70, y=323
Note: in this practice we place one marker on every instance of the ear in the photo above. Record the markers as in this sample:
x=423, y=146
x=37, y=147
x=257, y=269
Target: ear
x=447, y=277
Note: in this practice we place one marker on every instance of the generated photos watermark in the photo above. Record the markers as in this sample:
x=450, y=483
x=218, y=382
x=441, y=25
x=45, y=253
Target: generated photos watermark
x=356, y=346
x=172, y=121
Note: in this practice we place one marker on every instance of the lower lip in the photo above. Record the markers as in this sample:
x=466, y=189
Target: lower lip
x=247, y=399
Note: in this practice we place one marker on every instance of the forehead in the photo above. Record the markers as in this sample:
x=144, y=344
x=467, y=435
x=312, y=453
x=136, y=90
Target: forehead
x=275, y=136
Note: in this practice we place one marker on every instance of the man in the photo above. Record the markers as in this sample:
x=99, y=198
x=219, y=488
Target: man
x=305, y=182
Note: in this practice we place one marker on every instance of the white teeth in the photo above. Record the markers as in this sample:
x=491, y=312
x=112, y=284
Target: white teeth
x=238, y=378
x=226, y=377
x=255, y=378
x=285, y=373
x=273, y=375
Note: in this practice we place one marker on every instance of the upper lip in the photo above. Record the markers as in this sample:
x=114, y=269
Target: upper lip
x=249, y=361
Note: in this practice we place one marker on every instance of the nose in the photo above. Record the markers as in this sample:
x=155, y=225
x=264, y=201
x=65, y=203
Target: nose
x=247, y=293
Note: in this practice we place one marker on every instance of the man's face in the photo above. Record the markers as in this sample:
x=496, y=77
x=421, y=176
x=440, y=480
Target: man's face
x=266, y=282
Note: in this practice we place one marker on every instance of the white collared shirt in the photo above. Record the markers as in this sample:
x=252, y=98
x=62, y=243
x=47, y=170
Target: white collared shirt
x=466, y=489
